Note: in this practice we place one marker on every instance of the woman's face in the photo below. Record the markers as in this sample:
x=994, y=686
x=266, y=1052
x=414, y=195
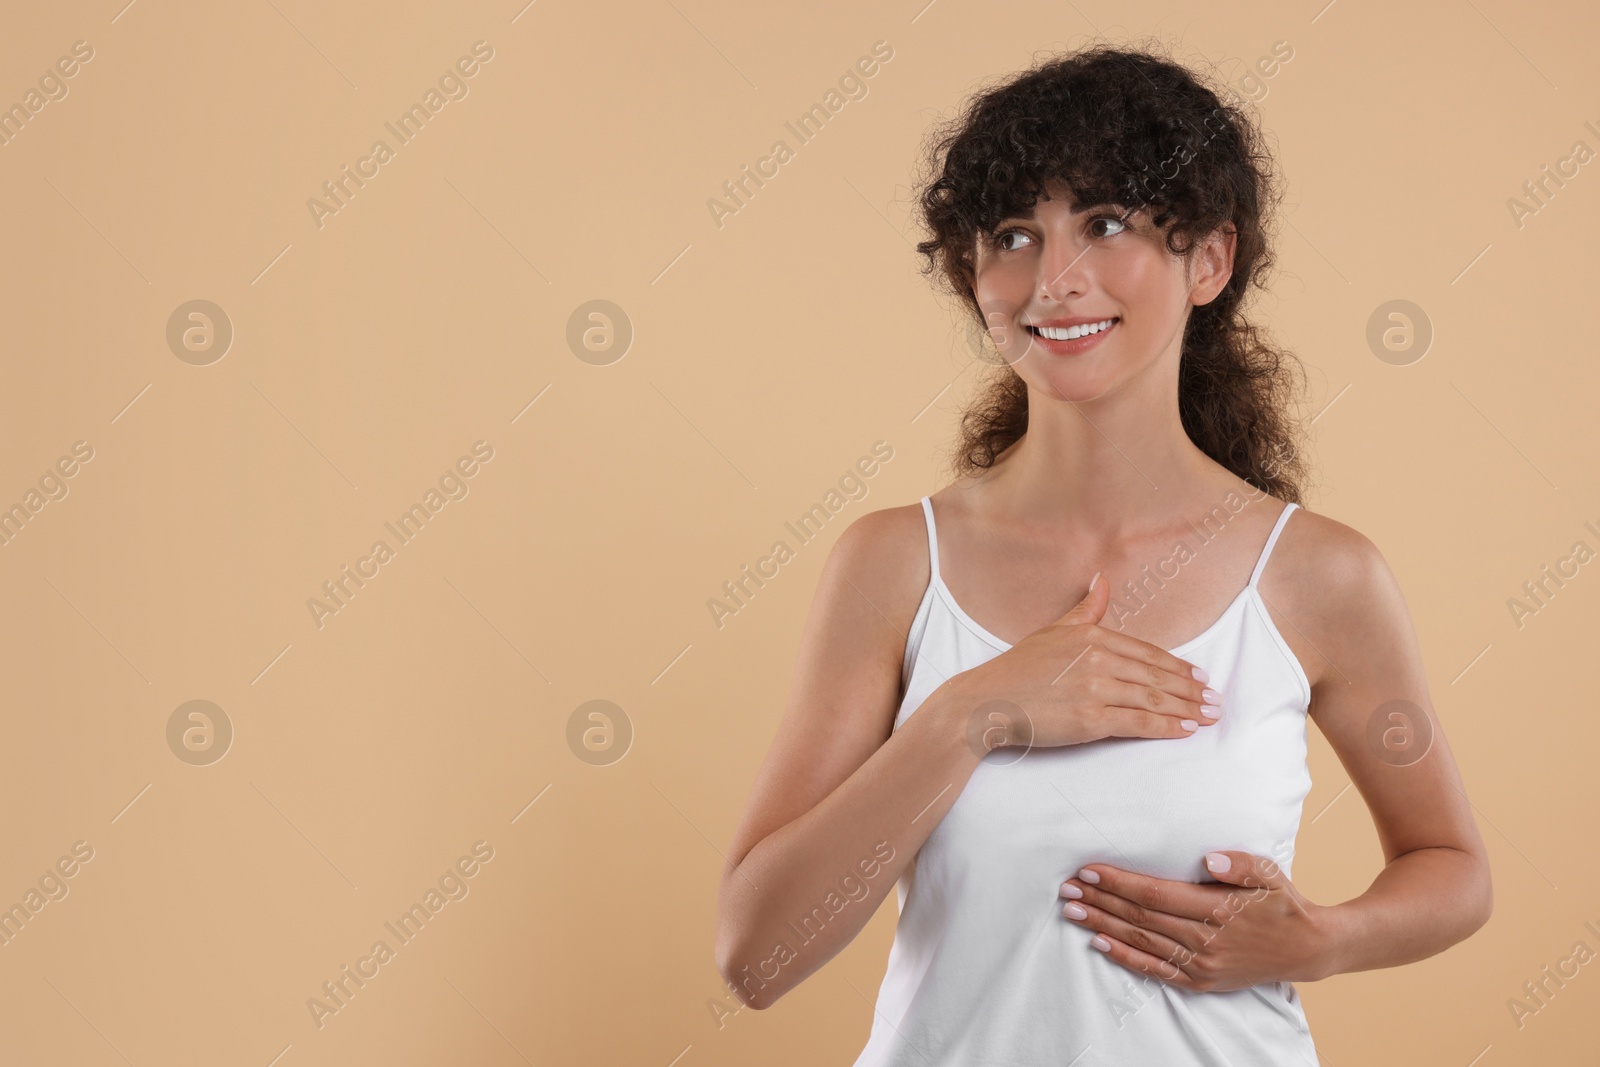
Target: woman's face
x=1057, y=267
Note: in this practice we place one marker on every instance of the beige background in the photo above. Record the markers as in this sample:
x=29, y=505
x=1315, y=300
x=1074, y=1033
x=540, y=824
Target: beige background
x=768, y=355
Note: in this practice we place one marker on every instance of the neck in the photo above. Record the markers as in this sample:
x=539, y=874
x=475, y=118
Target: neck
x=1115, y=466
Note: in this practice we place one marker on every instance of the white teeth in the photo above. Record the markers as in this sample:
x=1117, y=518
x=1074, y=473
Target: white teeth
x=1072, y=333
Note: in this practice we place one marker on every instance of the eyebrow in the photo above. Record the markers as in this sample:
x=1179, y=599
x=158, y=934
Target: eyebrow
x=1084, y=209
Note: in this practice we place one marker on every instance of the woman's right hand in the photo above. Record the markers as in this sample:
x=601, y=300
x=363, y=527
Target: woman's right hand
x=1076, y=681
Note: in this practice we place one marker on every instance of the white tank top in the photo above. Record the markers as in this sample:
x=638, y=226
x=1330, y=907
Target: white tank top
x=985, y=969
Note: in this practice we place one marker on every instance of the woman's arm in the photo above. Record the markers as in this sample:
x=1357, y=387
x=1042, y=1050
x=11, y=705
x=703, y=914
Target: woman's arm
x=840, y=805
x=1370, y=700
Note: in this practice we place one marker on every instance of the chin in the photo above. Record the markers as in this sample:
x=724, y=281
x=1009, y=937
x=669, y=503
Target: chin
x=1075, y=388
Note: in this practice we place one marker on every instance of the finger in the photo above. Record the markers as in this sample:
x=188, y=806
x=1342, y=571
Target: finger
x=1153, y=896
x=1133, y=660
x=1116, y=721
x=1131, y=935
x=1125, y=694
x=1142, y=962
x=1092, y=607
x=1184, y=932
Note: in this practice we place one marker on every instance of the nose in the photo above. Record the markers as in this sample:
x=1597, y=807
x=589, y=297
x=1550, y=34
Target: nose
x=1063, y=269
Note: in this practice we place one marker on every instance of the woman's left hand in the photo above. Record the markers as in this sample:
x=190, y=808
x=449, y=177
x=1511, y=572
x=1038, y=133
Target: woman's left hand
x=1204, y=937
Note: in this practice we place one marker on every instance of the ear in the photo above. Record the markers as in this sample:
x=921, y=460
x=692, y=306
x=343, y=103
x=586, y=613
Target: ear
x=1211, y=265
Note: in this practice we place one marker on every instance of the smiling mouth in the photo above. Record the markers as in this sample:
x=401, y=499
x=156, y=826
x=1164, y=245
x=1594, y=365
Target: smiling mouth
x=1073, y=333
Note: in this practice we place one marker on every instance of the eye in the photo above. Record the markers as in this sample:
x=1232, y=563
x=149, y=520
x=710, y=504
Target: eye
x=998, y=240
x=1121, y=222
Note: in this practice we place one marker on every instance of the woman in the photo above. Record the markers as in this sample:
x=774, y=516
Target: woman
x=1088, y=800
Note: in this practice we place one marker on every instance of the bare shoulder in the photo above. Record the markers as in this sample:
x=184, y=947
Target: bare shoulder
x=1323, y=549
x=1333, y=587
x=846, y=687
x=883, y=556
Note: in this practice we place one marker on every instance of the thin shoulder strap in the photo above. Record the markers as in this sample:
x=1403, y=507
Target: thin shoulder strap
x=1261, y=563
x=933, y=538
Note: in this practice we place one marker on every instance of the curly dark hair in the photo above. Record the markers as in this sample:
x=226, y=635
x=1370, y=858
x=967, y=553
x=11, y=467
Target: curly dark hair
x=1129, y=126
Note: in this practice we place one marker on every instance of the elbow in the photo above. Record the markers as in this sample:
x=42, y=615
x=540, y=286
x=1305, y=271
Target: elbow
x=1486, y=898
x=733, y=960
x=743, y=983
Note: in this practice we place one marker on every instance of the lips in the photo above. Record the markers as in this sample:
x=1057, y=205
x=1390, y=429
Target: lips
x=1076, y=345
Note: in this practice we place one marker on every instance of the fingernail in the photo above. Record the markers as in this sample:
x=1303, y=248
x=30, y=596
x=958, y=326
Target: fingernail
x=1089, y=876
x=1211, y=696
x=1218, y=863
x=1075, y=911
x=1070, y=891
x=1094, y=579
x=1201, y=676
x=1210, y=712
x=1190, y=725
x=1100, y=943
